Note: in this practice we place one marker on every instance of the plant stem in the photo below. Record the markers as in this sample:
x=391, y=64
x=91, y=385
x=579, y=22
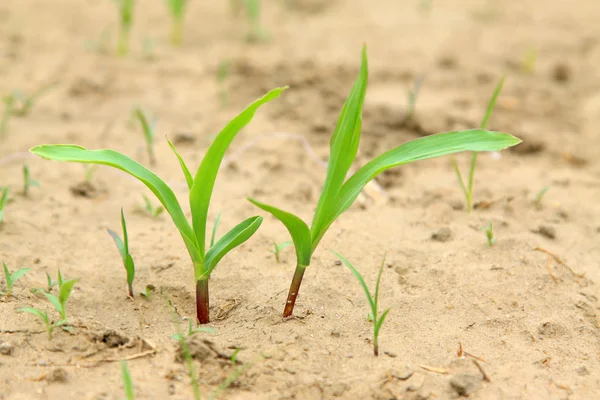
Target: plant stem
x=293, y=293
x=471, y=176
x=375, y=345
x=202, y=313
x=130, y=286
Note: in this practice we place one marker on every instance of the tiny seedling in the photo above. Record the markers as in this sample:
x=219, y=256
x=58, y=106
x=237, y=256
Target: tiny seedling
x=234, y=355
x=222, y=74
x=148, y=130
x=539, y=196
x=338, y=193
x=489, y=234
x=64, y=292
x=200, y=188
x=373, y=301
x=19, y=104
x=468, y=189
x=12, y=278
x=148, y=291
x=127, y=381
x=192, y=331
x=27, y=181
x=43, y=315
x=125, y=9
x=177, y=9
x=529, y=60
x=152, y=210
x=256, y=31
x=123, y=246
x=413, y=94
x=50, y=283
x=277, y=248
x=3, y=201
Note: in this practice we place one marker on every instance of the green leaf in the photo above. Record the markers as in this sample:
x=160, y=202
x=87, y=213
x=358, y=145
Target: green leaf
x=492, y=104
x=343, y=149
x=146, y=128
x=119, y=243
x=7, y=277
x=130, y=268
x=65, y=291
x=297, y=228
x=3, y=199
x=362, y=282
x=127, y=382
x=18, y=274
x=213, y=237
x=125, y=236
x=161, y=190
x=34, y=311
x=204, y=181
x=184, y=168
x=54, y=300
x=380, y=321
x=235, y=237
x=432, y=146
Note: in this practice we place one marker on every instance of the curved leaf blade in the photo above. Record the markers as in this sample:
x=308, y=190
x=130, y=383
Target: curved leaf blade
x=232, y=239
x=206, y=175
x=118, y=242
x=54, y=300
x=297, y=228
x=362, y=282
x=130, y=268
x=34, y=311
x=188, y=176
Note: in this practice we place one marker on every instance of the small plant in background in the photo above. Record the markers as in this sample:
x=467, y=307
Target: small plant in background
x=256, y=32
x=150, y=209
x=148, y=291
x=468, y=188
x=43, y=316
x=50, y=283
x=540, y=196
x=19, y=104
x=89, y=171
x=529, y=60
x=177, y=9
x=12, y=278
x=373, y=301
x=127, y=381
x=148, y=131
x=413, y=94
x=222, y=75
x=192, y=331
x=200, y=191
x=338, y=193
x=27, y=181
x=489, y=234
x=277, y=248
x=123, y=246
x=3, y=201
x=125, y=10
x=100, y=46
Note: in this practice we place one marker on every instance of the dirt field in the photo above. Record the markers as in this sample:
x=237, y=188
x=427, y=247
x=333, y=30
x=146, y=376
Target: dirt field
x=529, y=320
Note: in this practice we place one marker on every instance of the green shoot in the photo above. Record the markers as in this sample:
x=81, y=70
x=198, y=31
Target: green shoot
x=468, y=189
x=89, y=171
x=27, y=181
x=200, y=187
x=192, y=331
x=539, y=196
x=148, y=131
x=51, y=283
x=489, y=234
x=277, y=248
x=125, y=9
x=12, y=278
x=338, y=193
x=45, y=319
x=127, y=381
x=231, y=378
x=529, y=60
x=64, y=292
x=19, y=104
x=373, y=300
x=234, y=355
x=413, y=94
x=148, y=291
x=213, y=236
x=177, y=9
x=123, y=246
x=256, y=32
x=222, y=74
x=151, y=209
x=3, y=200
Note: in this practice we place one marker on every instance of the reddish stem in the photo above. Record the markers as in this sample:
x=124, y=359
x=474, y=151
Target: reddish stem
x=202, y=313
x=293, y=293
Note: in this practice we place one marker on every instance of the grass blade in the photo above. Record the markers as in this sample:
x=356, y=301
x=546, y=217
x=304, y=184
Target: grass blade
x=3, y=200
x=492, y=103
x=127, y=382
x=54, y=301
x=363, y=284
x=118, y=242
x=188, y=176
x=213, y=236
x=15, y=276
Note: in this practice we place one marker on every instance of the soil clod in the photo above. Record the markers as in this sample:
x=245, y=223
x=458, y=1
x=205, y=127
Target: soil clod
x=465, y=384
x=442, y=235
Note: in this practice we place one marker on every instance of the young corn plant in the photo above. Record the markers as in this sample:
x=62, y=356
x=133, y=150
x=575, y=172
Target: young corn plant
x=540, y=196
x=278, y=248
x=413, y=94
x=148, y=131
x=127, y=381
x=151, y=209
x=123, y=247
x=468, y=188
x=489, y=234
x=11, y=278
x=125, y=9
x=256, y=32
x=338, y=193
x=373, y=300
x=177, y=9
x=200, y=188
x=43, y=316
x=19, y=104
x=27, y=181
x=3, y=201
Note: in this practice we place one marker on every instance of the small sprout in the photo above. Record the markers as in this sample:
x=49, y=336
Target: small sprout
x=148, y=130
x=222, y=74
x=151, y=209
x=148, y=291
x=540, y=196
x=127, y=381
x=43, y=315
x=27, y=181
x=373, y=301
x=256, y=32
x=89, y=171
x=50, y=284
x=19, y=104
x=277, y=248
x=12, y=278
x=64, y=292
x=192, y=331
x=489, y=234
x=3, y=200
x=123, y=246
x=468, y=190
x=413, y=94
x=125, y=9
x=234, y=355
x=177, y=9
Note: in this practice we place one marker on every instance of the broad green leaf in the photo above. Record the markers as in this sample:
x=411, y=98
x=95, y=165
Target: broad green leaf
x=204, y=181
x=72, y=153
x=343, y=148
x=55, y=302
x=298, y=230
x=362, y=282
x=41, y=315
x=65, y=291
x=15, y=276
x=232, y=239
x=188, y=176
x=125, y=236
x=130, y=268
x=118, y=242
x=432, y=146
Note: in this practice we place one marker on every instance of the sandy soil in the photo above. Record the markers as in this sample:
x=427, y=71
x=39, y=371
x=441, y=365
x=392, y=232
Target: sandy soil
x=530, y=320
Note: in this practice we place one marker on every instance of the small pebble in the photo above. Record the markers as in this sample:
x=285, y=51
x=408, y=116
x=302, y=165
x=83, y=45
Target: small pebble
x=59, y=375
x=582, y=371
x=338, y=262
x=464, y=384
x=6, y=348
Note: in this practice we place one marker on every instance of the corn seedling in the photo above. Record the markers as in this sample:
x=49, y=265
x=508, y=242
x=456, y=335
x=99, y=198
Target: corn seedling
x=177, y=9
x=277, y=248
x=222, y=74
x=50, y=283
x=89, y=171
x=200, y=191
x=148, y=291
x=11, y=278
x=256, y=32
x=43, y=316
x=127, y=381
x=150, y=209
x=123, y=246
x=192, y=331
x=338, y=193
x=19, y=104
x=27, y=181
x=489, y=234
x=468, y=188
x=125, y=10
x=229, y=380
x=539, y=196
x=148, y=131
x=64, y=292
x=234, y=355
x=413, y=94
x=3, y=201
